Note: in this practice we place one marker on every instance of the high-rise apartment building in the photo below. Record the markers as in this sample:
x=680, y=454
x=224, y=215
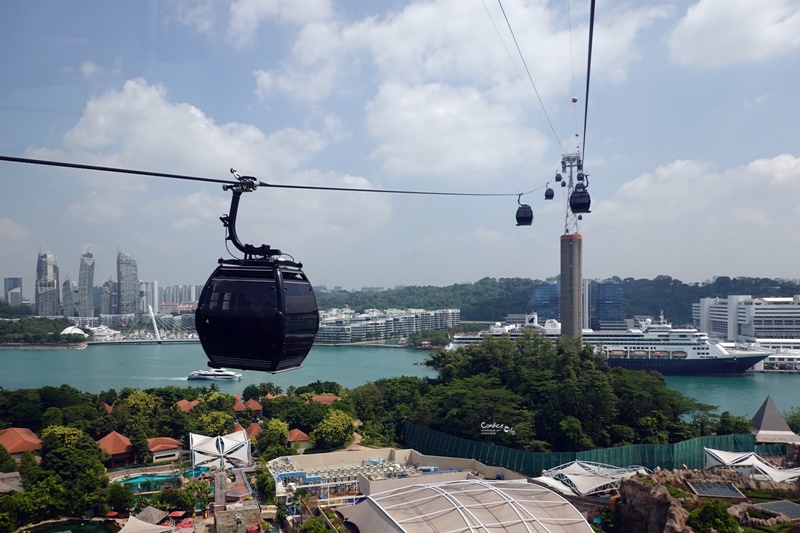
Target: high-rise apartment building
x=148, y=296
x=127, y=283
x=84, y=306
x=69, y=298
x=12, y=291
x=46, y=298
x=108, y=296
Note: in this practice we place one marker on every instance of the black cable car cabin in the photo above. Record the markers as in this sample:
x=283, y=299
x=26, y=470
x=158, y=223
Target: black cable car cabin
x=524, y=215
x=579, y=200
x=256, y=313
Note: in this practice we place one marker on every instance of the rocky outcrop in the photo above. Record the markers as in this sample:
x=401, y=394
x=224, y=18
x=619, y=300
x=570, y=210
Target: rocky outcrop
x=645, y=508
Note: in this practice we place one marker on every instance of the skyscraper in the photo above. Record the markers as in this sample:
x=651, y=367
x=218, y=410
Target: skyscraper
x=108, y=296
x=128, y=283
x=69, y=298
x=84, y=306
x=12, y=291
x=46, y=299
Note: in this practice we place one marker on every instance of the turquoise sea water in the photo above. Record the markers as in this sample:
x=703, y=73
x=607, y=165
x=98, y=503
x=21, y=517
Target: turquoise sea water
x=102, y=367
x=144, y=366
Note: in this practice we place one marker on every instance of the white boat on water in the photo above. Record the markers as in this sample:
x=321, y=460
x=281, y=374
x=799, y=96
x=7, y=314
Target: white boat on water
x=652, y=345
x=215, y=373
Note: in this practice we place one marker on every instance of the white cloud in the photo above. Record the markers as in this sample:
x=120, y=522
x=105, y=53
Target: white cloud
x=92, y=71
x=12, y=231
x=438, y=130
x=719, y=33
x=685, y=215
x=247, y=15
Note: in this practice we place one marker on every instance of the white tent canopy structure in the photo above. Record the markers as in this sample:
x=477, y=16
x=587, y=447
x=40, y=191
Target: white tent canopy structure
x=229, y=451
x=583, y=478
x=749, y=464
x=134, y=525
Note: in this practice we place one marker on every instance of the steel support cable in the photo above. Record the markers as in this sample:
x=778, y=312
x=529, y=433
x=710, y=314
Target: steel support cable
x=260, y=183
x=588, y=74
x=530, y=77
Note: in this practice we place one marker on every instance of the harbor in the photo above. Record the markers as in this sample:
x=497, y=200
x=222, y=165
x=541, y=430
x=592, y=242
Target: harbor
x=144, y=366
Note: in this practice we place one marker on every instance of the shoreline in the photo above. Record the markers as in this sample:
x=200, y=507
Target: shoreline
x=81, y=346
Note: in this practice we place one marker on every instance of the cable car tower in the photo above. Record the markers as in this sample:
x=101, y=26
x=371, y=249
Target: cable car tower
x=578, y=203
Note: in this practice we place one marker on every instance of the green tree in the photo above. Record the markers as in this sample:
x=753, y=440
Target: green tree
x=212, y=423
x=732, y=425
x=334, y=431
x=120, y=497
x=7, y=463
x=314, y=524
x=792, y=417
x=712, y=516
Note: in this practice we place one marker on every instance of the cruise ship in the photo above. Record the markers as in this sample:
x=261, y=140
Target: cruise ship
x=651, y=346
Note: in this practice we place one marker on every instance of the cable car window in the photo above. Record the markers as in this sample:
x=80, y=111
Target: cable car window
x=300, y=298
x=249, y=298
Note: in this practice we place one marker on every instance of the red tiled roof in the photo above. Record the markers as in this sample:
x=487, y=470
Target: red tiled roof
x=186, y=405
x=326, y=399
x=270, y=396
x=115, y=443
x=252, y=404
x=159, y=444
x=238, y=427
x=253, y=430
x=18, y=440
x=238, y=405
x=109, y=408
x=295, y=435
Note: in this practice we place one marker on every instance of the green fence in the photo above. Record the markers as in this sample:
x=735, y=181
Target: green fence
x=666, y=456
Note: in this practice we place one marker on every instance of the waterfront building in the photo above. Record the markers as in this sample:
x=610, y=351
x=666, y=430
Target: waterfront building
x=341, y=326
x=84, y=306
x=148, y=296
x=12, y=290
x=127, y=283
x=47, y=301
x=546, y=300
x=773, y=323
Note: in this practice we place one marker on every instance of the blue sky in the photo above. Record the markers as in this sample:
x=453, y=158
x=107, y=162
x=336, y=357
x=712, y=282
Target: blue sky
x=691, y=145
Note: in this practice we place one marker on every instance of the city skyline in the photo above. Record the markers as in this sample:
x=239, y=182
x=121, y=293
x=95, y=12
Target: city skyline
x=690, y=143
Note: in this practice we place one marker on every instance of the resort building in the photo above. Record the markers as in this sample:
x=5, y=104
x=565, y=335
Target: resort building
x=404, y=491
x=17, y=441
x=343, y=326
x=119, y=447
x=165, y=449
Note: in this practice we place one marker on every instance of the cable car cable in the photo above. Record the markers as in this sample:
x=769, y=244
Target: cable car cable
x=530, y=77
x=588, y=74
x=258, y=182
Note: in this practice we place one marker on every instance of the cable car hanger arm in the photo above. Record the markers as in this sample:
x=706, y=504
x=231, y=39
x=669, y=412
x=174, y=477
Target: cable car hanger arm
x=244, y=184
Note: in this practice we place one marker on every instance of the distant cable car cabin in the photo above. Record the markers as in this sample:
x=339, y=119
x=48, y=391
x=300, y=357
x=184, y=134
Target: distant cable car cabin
x=549, y=194
x=259, y=312
x=524, y=213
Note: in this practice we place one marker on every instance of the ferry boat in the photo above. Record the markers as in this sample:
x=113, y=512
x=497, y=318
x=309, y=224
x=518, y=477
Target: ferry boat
x=651, y=346
x=216, y=374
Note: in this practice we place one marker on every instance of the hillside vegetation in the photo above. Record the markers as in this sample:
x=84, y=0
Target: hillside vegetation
x=492, y=299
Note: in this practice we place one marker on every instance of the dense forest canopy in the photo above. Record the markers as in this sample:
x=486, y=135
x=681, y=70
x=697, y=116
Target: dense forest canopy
x=492, y=299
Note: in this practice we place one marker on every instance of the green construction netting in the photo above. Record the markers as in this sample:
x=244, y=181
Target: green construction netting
x=666, y=456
